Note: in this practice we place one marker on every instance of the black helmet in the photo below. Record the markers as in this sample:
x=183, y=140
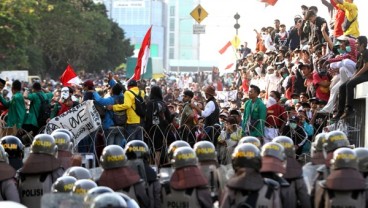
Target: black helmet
x=44, y=144
x=362, y=155
x=94, y=192
x=344, y=158
x=63, y=141
x=106, y=200
x=205, y=151
x=82, y=186
x=65, y=131
x=3, y=155
x=252, y=140
x=78, y=173
x=288, y=145
x=335, y=140
x=246, y=156
x=64, y=184
x=137, y=149
x=319, y=140
x=273, y=149
x=113, y=156
x=184, y=157
x=13, y=146
x=173, y=146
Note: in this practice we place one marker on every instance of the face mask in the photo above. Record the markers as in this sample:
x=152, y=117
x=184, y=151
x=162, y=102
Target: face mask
x=348, y=49
x=340, y=51
x=292, y=125
x=270, y=102
x=284, y=75
x=64, y=93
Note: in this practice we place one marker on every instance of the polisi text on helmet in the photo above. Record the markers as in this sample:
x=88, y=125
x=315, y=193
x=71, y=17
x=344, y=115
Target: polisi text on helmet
x=114, y=158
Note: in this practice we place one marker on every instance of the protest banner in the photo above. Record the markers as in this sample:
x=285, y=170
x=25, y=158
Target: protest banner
x=81, y=120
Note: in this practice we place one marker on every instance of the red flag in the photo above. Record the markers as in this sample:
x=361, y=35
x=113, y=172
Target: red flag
x=270, y=2
x=223, y=49
x=69, y=77
x=143, y=55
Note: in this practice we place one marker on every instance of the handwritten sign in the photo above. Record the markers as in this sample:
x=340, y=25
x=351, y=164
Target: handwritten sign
x=81, y=120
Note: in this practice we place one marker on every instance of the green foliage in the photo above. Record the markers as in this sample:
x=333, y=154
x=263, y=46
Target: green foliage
x=43, y=36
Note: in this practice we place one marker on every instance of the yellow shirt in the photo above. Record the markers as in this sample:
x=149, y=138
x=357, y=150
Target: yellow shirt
x=351, y=12
x=129, y=106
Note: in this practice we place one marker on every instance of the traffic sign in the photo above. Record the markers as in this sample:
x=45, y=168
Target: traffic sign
x=199, y=14
x=199, y=29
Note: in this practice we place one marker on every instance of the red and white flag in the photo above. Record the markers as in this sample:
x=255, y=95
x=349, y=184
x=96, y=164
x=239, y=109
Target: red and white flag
x=69, y=77
x=227, y=58
x=143, y=55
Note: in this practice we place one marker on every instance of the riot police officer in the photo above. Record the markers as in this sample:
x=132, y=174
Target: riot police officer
x=247, y=188
x=345, y=185
x=273, y=167
x=65, y=146
x=109, y=200
x=94, y=192
x=187, y=186
x=297, y=193
x=362, y=156
x=138, y=153
x=317, y=160
x=208, y=164
x=15, y=149
x=118, y=176
x=82, y=186
x=64, y=184
x=252, y=140
x=39, y=171
x=78, y=173
x=8, y=188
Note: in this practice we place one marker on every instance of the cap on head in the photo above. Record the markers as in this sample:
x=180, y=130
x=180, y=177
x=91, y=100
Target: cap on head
x=88, y=83
x=210, y=90
x=132, y=83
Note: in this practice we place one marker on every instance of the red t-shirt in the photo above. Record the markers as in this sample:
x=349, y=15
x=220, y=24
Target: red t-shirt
x=322, y=93
x=275, y=116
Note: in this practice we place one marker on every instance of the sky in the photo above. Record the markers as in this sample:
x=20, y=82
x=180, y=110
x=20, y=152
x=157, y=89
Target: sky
x=254, y=15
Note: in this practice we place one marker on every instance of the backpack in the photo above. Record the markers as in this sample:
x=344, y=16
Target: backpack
x=44, y=111
x=140, y=105
x=158, y=114
x=119, y=117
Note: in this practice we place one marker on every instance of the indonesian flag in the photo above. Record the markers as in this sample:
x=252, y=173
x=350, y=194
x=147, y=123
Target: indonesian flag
x=228, y=58
x=143, y=55
x=269, y=2
x=69, y=77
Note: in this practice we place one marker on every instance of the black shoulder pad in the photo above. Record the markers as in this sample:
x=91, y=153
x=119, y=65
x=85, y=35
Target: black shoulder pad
x=274, y=184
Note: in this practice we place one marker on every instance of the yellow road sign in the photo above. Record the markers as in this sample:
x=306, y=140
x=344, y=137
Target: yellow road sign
x=235, y=41
x=199, y=14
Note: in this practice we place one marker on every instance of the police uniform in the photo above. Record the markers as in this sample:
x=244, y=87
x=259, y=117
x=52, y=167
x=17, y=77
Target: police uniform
x=65, y=146
x=317, y=161
x=15, y=149
x=39, y=172
x=187, y=186
x=345, y=186
x=247, y=188
x=137, y=153
x=8, y=188
x=298, y=195
x=118, y=176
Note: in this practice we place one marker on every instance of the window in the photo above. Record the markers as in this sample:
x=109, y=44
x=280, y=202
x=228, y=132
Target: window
x=171, y=39
x=171, y=53
x=172, y=10
x=172, y=24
